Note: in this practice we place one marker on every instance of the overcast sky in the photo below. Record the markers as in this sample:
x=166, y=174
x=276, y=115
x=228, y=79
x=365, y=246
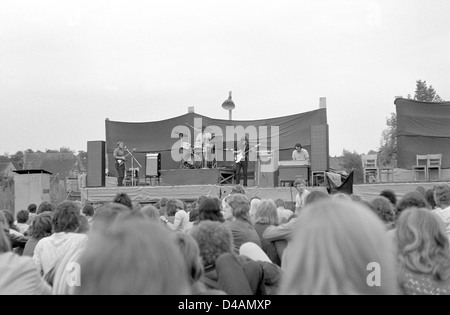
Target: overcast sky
x=65, y=66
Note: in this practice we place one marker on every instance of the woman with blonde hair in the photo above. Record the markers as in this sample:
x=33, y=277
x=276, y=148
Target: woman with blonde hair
x=265, y=216
x=254, y=205
x=175, y=208
x=18, y=275
x=134, y=257
x=339, y=248
x=423, y=253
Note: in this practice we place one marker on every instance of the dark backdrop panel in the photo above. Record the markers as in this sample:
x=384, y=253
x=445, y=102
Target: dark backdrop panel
x=158, y=137
x=409, y=147
x=422, y=128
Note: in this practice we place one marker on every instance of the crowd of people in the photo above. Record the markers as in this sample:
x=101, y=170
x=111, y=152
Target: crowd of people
x=327, y=244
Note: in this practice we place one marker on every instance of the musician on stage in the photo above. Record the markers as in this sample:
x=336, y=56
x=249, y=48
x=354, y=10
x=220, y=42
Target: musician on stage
x=205, y=139
x=242, y=150
x=300, y=154
x=120, y=163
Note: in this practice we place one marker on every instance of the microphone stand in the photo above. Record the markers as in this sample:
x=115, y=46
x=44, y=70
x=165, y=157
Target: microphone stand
x=132, y=166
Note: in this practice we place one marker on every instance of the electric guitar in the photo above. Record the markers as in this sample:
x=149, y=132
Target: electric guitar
x=242, y=154
x=121, y=160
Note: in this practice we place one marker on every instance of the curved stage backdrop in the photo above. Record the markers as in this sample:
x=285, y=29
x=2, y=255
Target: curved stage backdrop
x=422, y=128
x=163, y=136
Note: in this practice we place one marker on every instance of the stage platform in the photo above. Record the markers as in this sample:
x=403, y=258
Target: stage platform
x=151, y=194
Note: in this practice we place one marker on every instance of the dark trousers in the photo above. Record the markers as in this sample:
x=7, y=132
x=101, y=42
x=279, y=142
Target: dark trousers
x=120, y=173
x=241, y=165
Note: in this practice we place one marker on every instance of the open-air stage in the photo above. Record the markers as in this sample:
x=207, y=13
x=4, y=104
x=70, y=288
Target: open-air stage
x=215, y=183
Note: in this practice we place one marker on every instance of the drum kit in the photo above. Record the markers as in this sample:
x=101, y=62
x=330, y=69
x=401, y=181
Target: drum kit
x=197, y=156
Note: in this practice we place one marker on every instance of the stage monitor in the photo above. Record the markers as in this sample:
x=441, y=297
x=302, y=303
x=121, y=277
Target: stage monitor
x=153, y=164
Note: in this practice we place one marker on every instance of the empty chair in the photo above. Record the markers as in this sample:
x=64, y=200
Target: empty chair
x=370, y=168
x=434, y=162
x=421, y=166
x=132, y=177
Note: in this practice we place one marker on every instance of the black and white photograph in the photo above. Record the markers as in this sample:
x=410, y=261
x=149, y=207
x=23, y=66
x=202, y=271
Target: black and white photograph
x=227, y=155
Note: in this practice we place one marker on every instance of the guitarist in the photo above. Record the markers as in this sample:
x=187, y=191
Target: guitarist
x=242, y=151
x=120, y=163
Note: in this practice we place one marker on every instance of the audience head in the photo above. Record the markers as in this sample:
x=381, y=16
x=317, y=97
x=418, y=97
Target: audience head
x=84, y=225
x=429, y=196
x=191, y=253
x=423, y=246
x=88, y=210
x=9, y=217
x=316, y=195
x=107, y=214
x=45, y=207
x=266, y=213
x=334, y=246
x=123, y=199
x=41, y=226
x=300, y=185
x=341, y=197
x=384, y=209
x=254, y=204
x=136, y=206
x=210, y=210
x=5, y=245
x=390, y=195
x=163, y=202
x=22, y=216
x=151, y=213
x=356, y=198
x=133, y=257
x=173, y=206
x=412, y=199
x=280, y=203
x=442, y=195
x=238, y=189
x=162, y=206
x=213, y=239
x=236, y=206
x=66, y=217
x=194, y=212
x=32, y=208
x=421, y=190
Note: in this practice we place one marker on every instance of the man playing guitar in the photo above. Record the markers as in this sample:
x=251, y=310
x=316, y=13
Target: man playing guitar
x=120, y=163
x=242, y=160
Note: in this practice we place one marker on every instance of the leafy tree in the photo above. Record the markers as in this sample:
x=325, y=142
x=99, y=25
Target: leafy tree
x=65, y=150
x=18, y=158
x=388, y=149
x=352, y=161
x=426, y=94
